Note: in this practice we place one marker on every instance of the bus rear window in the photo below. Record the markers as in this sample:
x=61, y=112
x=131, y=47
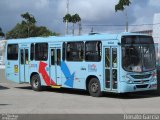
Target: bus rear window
x=12, y=52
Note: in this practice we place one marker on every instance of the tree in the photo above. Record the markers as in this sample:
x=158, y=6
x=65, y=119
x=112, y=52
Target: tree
x=43, y=31
x=28, y=21
x=28, y=18
x=75, y=18
x=67, y=18
x=19, y=31
x=121, y=5
x=28, y=28
x=1, y=32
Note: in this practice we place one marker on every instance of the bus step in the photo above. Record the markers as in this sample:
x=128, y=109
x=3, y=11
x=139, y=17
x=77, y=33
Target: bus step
x=55, y=86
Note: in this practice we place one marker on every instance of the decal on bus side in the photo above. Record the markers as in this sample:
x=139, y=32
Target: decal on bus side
x=15, y=68
x=44, y=74
x=69, y=77
x=33, y=65
x=92, y=68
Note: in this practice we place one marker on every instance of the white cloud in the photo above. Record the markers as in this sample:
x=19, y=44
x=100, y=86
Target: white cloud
x=90, y=10
x=140, y=21
x=51, y=12
x=154, y=3
x=42, y=4
x=142, y=18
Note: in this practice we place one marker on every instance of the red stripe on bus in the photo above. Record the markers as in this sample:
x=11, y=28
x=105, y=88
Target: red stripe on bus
x=45, y=75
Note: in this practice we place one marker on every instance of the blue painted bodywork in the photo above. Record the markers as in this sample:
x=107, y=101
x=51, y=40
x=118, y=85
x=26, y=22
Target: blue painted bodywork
x=70, y=74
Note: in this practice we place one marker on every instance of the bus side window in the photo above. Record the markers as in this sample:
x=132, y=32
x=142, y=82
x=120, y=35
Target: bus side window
x=58, y=56
x=26, y=56
x=12, y=52
x=32, y=52
x=22, y=57
x=52, y=56
x=75, y=51
x=41, y=51
x=64, y=51
x=93, y=51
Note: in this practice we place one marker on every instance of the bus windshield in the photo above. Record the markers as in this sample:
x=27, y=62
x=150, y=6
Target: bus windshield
x=138, y=53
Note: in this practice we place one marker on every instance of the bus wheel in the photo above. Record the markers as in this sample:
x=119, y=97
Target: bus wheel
x=94, y=88
x=35, y=82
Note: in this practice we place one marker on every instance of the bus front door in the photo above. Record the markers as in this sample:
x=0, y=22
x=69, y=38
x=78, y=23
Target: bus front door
x=111, y=68
x=24, y=61
x=55, y=63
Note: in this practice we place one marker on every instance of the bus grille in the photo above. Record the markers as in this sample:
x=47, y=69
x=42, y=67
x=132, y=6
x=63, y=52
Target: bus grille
x=142, y=86
x=141, y=76
x=141, y=81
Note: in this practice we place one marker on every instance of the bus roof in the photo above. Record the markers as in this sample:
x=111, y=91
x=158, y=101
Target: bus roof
x=87, y=37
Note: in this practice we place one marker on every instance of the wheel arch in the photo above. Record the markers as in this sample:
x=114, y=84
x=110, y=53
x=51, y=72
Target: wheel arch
x=33, y=73
x=88, y=79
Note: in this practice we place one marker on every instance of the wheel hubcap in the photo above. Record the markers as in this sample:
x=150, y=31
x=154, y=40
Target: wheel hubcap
x=94, y=87
x=35, y=83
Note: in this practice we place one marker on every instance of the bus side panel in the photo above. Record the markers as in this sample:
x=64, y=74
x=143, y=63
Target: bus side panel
x=72, y=75
x=12, y=66
x=95, y=69
x=35, y=67
x=44, y=73
x=76, y=73
x=12, y=71
x=27, y=79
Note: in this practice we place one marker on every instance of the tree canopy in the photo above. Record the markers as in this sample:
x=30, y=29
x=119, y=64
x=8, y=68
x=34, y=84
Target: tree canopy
x=121, y=5
x=72, y=19
x=28, y=28
x=67, y=18
x=28, y=19
x=75, y=18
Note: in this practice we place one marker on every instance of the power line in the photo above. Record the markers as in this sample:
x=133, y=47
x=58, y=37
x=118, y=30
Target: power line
x=101, y=25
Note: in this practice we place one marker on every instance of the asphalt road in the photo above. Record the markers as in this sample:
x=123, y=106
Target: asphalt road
x=20, y=98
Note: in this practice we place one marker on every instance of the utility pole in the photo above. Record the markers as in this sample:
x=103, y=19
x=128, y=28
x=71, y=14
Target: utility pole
x=67, y=12
x=126, y=16
x=92, y=30
x=80, y=27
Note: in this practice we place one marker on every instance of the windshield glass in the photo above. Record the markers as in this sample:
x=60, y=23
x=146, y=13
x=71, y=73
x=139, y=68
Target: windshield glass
x=138, y=53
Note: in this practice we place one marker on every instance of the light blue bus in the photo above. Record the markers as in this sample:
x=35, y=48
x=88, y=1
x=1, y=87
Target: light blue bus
x=98, y=63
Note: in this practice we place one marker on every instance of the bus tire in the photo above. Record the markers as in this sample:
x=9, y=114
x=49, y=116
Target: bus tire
x=94, y=88
x=36, y=83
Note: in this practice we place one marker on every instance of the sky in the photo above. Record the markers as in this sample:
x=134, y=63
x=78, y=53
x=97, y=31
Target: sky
x=50, y=13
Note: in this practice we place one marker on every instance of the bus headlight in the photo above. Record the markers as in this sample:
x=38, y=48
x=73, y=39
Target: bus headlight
x=154, y=77
x=154, y=74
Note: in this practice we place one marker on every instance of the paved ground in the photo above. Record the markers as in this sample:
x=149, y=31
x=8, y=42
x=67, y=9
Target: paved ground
x=19, y=98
